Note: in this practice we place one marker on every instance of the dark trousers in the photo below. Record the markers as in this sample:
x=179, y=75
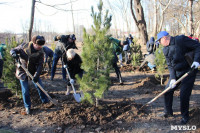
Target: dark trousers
x=186, y=86
x=56, y=57
x=1, y=67
x=117, y=71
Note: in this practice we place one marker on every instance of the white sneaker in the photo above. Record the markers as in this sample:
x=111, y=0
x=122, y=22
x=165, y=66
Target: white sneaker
x=27, y=111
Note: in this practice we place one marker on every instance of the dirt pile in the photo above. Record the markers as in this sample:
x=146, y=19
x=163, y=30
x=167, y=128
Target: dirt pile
x=106, y=113
x=195, y=117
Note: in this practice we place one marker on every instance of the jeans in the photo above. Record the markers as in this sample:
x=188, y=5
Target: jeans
x=26, y=96
x=151, y=66
x=56, y=57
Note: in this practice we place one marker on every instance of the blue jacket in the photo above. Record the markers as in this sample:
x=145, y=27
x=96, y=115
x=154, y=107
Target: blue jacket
x=175, y=55
x=48, y=52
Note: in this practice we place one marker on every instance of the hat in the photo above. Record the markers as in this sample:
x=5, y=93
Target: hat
x=38, y=40
x=70, y=53
x=161, y=34
x=72, y=37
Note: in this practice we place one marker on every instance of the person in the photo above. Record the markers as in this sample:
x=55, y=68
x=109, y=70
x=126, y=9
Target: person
x=31, y=56
x=48, y=56
x=150, y=45
x=126, y=50
x=116, y=44
x=69, y=42
x=73, y=63
x=117, y=48
x=150, y=57
x=2, y=58
x=174, y=50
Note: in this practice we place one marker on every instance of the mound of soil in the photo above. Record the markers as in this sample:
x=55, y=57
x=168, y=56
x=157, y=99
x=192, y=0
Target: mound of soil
x=195, y=117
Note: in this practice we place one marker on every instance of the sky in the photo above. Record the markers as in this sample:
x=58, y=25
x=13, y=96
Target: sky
x=15, y=15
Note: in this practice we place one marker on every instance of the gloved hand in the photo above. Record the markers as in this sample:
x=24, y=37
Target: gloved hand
x=65, y=66
x=15, y=56
x=171, y=84
x=35, y=79
x=195, y=65
x=71, y=81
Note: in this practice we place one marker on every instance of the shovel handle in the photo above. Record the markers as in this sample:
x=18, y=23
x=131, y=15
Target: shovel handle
x=41, y=88
x=163, y=92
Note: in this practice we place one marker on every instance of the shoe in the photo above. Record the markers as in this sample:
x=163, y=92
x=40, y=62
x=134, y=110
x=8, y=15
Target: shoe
x=68, y=90
x=28, y=111
x=51, y=79
x=184, y=121
x=166, y=115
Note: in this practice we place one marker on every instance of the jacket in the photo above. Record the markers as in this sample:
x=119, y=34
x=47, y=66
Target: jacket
x=175, y=54
x=47, y=52
x=74, y=65
x=150, y=45
x=64, y=41
x=31, y=59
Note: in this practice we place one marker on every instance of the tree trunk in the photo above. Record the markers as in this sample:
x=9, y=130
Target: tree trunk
x=191, y=30
x=155, y=19
x=32, y=20
x=140, y=21
x=72, y=17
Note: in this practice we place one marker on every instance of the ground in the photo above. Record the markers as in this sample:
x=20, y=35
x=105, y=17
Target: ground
x=118, y=111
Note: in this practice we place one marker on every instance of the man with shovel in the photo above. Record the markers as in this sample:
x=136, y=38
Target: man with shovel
x=174, y=50
x=69, y=42
x=31, y=56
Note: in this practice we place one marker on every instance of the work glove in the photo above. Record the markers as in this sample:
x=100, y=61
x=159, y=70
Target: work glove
x=71, y=81
x=195, y=65
x=35, y=79
x=171, y=84
x=65, y=66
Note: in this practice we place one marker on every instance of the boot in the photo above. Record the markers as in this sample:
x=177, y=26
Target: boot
x=68, y=90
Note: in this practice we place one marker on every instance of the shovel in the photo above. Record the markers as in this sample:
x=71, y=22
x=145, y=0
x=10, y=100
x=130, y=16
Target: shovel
x=41, y=88
x=77, y=97
x=163, y=92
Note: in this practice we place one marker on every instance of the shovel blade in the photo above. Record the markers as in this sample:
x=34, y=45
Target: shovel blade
x=77, y=97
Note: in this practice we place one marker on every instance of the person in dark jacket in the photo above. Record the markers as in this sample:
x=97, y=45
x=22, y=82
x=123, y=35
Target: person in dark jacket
x=174, y=50
x=31, y=55
x=69, y=42
x=73, y=63
x=48, y=55
x=150, y=45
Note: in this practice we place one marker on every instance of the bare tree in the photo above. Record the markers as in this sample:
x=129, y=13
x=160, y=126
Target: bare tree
x=31, y=20
x=162, y=13
x=140, y=22
x=191, y=30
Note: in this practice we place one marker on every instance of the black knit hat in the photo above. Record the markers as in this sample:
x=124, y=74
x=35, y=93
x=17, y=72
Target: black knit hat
x=38, y=40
